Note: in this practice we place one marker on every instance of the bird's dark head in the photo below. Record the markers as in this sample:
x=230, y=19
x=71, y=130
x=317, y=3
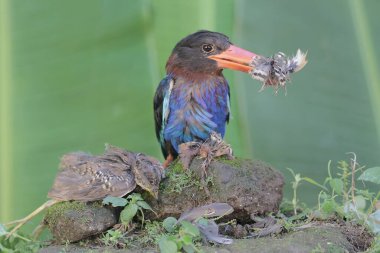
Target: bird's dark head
x=207, y=53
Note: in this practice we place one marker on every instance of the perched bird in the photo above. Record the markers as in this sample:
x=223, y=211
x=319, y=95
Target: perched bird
x=193, y=100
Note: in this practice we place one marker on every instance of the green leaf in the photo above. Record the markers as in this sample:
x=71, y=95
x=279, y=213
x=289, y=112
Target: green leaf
x=329, y=206
x=114, y=201
x=167, y=246
x=3, y=231
x=189, y=248
x=203, y=221
x=169, y=224
x=371, y=175
x=144, y=205
x=134, y=197
x=128, y=213
x=187, y=239
x=337, y=185
x=312, y=181
x=360, y=202
x=189, y=228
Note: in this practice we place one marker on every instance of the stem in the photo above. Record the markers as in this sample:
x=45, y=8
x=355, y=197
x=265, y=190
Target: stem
x=370, y=210
x=295, y=197
x=353, y=167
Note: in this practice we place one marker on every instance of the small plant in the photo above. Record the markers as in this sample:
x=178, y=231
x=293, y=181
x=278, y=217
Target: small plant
x=112, y=237
x=181, y=235
x=17, y=243
x=132, y=204
x=295, y=184
x=340, y=194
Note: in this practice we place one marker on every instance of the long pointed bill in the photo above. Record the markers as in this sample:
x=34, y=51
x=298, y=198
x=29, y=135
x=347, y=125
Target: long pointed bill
x=234, y=58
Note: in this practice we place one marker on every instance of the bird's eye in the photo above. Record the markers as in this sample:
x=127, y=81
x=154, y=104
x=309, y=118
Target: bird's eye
x=207, y=48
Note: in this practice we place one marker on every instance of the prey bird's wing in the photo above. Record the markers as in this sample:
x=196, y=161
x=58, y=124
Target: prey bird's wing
x=161, y=109
x=85, y=177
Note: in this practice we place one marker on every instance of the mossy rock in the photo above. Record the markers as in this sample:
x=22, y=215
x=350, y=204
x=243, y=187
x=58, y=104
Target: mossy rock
x=250, y=187
x=72, y=221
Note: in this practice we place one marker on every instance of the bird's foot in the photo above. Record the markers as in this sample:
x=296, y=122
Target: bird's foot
x=168, y=161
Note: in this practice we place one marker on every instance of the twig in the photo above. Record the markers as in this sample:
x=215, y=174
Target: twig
x=21, y=222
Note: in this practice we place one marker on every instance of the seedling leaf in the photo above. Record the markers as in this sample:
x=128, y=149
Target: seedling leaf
x=144, y=205
x=169, y=224
x=114, y=201
x=190, y=229
x=134, y=197
x=337, y=185
x=187, y=239
x=167, y=246
x=128, y=213
x=189, y=248
x=371, y=175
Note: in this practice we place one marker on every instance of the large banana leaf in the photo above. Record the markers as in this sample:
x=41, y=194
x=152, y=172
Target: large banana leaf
x=333, y=106
x=77, y=74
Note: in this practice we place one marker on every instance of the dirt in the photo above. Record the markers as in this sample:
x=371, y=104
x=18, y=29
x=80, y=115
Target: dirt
x=329, y=237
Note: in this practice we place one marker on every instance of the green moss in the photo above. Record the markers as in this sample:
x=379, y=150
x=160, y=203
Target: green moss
x=57, y=210
x=236, y=162
x=176, y=166
x=178, y=181
x=178, y=178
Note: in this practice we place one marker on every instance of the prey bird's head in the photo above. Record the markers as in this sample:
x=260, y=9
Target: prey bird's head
x=207, y=53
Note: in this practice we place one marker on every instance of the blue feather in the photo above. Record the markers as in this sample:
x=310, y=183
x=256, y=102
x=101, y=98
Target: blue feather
x=192, y=110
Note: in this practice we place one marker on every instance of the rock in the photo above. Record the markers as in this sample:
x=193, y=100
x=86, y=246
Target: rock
x=250, y=187
x=73, y=221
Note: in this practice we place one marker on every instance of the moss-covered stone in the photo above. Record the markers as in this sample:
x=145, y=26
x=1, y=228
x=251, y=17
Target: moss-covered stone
x=72, y=221
x=57, y=211
x=250, y=187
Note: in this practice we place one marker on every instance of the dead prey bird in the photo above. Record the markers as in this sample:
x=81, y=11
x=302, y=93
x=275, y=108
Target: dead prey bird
x=275, y=71
x=85, y=177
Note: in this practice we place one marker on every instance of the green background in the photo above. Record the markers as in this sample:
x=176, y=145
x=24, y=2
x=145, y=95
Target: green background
x=77, y=74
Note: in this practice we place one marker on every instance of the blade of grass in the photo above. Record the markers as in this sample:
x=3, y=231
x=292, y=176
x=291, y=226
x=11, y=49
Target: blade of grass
x=5, y=111
x=368, y=57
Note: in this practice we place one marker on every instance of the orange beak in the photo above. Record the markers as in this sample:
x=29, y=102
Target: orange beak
x=234, y=58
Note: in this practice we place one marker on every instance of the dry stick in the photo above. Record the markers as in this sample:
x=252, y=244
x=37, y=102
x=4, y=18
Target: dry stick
x=21, y=222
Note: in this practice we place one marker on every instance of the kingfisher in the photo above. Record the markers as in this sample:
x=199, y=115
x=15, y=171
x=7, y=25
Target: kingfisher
x=193, y=100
